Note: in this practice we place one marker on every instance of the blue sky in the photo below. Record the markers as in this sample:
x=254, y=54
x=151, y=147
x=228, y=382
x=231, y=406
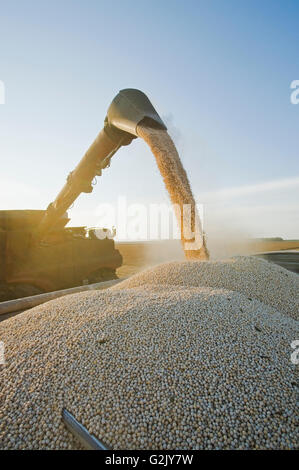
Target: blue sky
x=218, y=72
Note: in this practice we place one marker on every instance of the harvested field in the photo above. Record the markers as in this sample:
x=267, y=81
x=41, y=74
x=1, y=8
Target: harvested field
x=140, y=255
x=174, y=358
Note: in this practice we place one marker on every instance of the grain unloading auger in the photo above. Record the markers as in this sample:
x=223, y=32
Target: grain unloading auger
x=128, y=109
x=37, y=252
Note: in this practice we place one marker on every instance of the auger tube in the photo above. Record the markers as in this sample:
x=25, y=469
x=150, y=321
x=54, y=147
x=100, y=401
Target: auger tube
x=124, y=114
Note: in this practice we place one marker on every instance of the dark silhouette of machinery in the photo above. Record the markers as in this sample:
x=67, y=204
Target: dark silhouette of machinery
x=38, y=253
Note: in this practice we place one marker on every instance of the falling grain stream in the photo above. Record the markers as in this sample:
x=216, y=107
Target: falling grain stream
x=179, y=190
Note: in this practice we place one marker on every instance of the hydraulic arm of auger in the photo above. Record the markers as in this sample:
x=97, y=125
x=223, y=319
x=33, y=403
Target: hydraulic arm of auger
x=126, y=111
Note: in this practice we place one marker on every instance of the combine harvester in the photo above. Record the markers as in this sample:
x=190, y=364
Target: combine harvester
x=38, y=254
